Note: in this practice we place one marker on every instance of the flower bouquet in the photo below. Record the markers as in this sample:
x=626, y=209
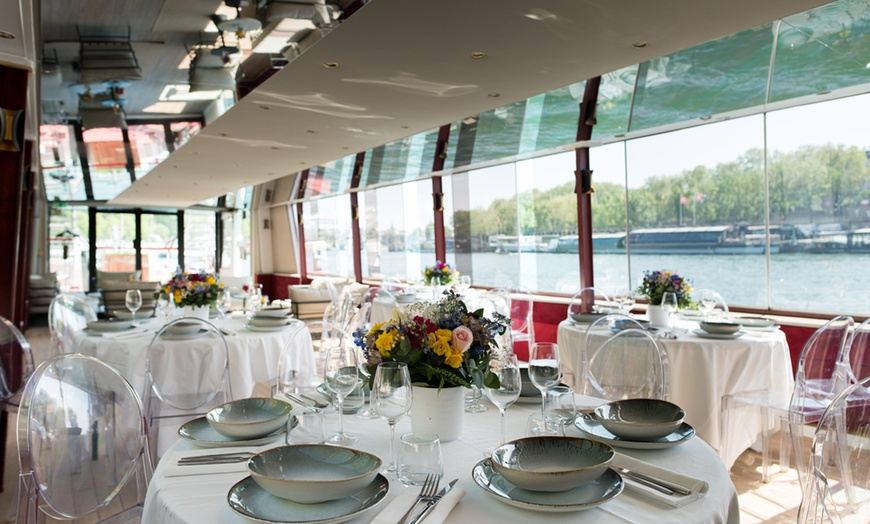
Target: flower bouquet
x=443, y=343
x=441, y=271
x=657, y=283
x=193, y=289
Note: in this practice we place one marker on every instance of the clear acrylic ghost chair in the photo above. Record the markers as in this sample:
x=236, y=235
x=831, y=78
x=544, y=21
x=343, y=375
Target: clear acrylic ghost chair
x=840, y=460
x=341, y=310
x=587, y=303
x=14, y=354
x=381, y=305
x=819, y=377
x=392, y=284
x=597, y=334
x=81, y=440
x=629, y=364
x=67, y=315
x=186, y=375
x=859, y=353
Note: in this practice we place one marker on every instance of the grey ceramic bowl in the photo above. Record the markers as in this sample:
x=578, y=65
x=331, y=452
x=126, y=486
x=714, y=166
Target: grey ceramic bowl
x=274, y=311
x=720, y=328
x=184, y=328
x=552, y=464
x=640, y=419
x=586, y=318
x=124, y=314
x=630, y=323
x=109, y=326
x=269, y=321
x=249, y=418
x=314, y=473
x=757, y=322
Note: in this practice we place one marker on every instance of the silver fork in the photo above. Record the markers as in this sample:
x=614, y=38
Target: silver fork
x=427, y=493
x=218, y=458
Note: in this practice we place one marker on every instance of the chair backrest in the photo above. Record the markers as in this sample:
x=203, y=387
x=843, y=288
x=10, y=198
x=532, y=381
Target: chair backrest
x=821, y=375
x=81, y=438
x=629, y=364
x=381, y=304
x=597, y=334
x=293, y=377
x=859, y=353
x=187, y=367
x=14, y=354
x=392, y=284
x=341, y=310
x=588, y=300
x=521, y=313
x=840, y=449
x=67, y=314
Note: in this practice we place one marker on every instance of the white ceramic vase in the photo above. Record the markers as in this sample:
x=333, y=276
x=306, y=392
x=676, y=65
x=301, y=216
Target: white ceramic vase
x=439, y=412
x=200, y=312
x=658, y=317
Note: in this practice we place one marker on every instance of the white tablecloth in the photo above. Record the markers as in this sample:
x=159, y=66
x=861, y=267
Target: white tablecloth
x=253, y=355
x=203, y=498
x=703, y=371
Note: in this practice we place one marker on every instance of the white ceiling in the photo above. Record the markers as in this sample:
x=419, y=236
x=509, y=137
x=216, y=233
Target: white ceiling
x=405, y=67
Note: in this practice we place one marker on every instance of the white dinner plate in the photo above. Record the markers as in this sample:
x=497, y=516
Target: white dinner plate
x=270, y=321
x=183, y=336
x=98, y=333
x=109, y=326
x=588, y=424
x=267, y=329
x=585, y=496
x=254, y=503
x=198, y=431
x=720, y=336
x=274, y=312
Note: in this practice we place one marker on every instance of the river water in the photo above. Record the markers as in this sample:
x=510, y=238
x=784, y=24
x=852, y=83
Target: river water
x=825, y=283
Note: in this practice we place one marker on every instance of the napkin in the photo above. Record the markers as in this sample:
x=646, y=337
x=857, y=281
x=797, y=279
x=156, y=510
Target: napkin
x=172, y=468
x=698, y=487
x=227, y=332
x=399, y=505
x=133, y=333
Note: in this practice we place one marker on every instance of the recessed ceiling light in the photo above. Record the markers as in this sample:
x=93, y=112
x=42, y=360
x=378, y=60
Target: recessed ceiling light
x=265, y=108
x=330, y=65
x=824, y=93
x=224, y=134
x=274, y=148
x=7, y=35
x=310, y=131
x=706, y=117
x=639, y=45
x=493, y=95
x=404, y=127
x=477, y=55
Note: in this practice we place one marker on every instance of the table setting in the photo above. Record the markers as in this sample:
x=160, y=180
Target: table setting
x=423, y=465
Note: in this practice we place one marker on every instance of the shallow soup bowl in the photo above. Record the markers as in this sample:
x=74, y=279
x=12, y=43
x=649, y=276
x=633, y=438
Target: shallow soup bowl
x=249, y=418
x=314, y=473
x=184, y=328
x=552, y=464
x=640, y=419
x=720, y=328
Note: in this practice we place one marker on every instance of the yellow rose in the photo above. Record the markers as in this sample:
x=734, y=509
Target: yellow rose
x=384, y=343
x=210, y=280
x=441, y=347
x=453, y=360
x=177, y=296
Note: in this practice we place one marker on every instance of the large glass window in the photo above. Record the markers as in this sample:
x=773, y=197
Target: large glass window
x=819, y=205
x=116, y=242
x=328, y=237
x=199, y=240
x=59, y=159
x=68, y=247
x=148, y=144
x=159, y=246
x=108, y=161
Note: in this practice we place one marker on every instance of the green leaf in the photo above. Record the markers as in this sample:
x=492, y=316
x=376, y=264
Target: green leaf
x=491, y=380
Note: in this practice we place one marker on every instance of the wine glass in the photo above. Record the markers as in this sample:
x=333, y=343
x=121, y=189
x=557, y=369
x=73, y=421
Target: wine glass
x=163, y=306
x=625, y=300
x=341, y=376
x=706, y=302
x=134, y=302
x=224, y=302
x=544, y=369
x=472, y=400
x=670, y=305
x=509, y=385
x=392, y=397
x=368, y=411
x=464, y=284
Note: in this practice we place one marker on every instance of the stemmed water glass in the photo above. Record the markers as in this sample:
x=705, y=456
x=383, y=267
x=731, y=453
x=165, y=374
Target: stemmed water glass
x=341, y=376
x=544, y=370
x=224, y=302
x=509, y=385
x=670, y=305
x=368, y=411
x=625, y=300
x=464, y=284
x=392, y=397
x=706, y=302
x=163, y=307
x=134, y=302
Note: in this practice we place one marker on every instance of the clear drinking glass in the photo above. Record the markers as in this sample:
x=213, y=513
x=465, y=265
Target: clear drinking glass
x=224, y=302
x=341, y=376
x=509, y=385
x=625, y=300
x=367, y=411
x=419, y=457
x=472, y=400
x=670, y=305
x=392, y=397
x=134, y=302
x=464, y=283
x=562, y=404
x=164, y=310
x=544, y=369
x=706, y=302
x=305, y=426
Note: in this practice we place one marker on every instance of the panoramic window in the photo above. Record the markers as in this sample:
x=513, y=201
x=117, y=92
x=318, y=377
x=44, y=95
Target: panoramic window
x=159, y=246
x=59, y=159
x=328, y=241
x=68, y=247
x=199, y=241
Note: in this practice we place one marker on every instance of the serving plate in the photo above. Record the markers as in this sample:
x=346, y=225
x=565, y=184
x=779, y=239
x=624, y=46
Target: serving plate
x=199, y=432
x=274, y=312
x=588, y=424
x=97, y=333
x=720, y=336
x=183, y=336
x=586, y=496
x=248, y=499
x=109, y=326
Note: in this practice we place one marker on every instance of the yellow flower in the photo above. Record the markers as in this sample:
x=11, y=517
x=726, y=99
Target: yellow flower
x=385, y=342
x=453, y=360
x=210, y=280
x=177, y=296
x=441, y=347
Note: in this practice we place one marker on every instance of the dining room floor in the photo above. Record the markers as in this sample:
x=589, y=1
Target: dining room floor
x=769, y=503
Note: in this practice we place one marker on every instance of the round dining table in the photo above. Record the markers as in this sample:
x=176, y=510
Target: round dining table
x=181, y=498
x=703, y=371
x=253, y=355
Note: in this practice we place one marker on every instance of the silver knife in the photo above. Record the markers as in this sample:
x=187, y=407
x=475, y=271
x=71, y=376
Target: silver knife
x=431, y=504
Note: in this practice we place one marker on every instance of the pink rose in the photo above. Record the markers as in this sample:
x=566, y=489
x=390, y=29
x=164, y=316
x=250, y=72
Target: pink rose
x=462, y=339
